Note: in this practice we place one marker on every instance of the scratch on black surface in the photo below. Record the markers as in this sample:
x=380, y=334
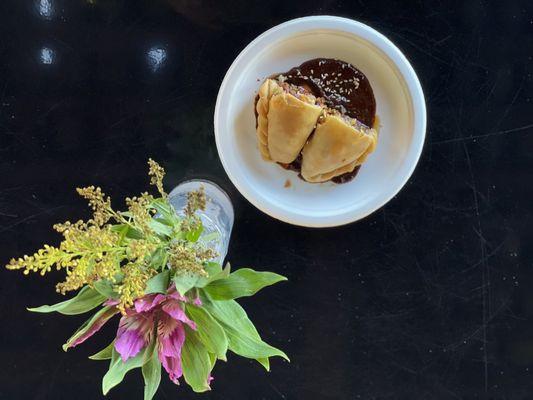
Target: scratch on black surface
x=464, y=139
x=511, y=104
x=485, y=273
x=502, y=306
x=444, y=39
x=424, y=51
x=9, y=189
x=29, y=217
x=427, y=283
x=277, y=391
x=477, y=264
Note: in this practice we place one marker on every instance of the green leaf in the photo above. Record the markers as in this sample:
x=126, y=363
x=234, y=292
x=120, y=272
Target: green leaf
x=163, y=220
x=214, y=272
x=243, y=337
x=118, y=369
x=158, y=283
x=151, y=370
x=194, y=235
x=195, y=362
x=105, y=288
x=158, y=258
x=185, y=282
x=241, y=283
x=159, y=228
x=243, y=344
x=86, y=300
x=104, y=354
x=213, y=359
x=121, y=229
x=127, y=231
x=209, y=331
x=91, y=326
x=265, y=362
x=164, y=209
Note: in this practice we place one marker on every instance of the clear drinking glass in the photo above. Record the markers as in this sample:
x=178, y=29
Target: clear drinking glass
x=217, y=217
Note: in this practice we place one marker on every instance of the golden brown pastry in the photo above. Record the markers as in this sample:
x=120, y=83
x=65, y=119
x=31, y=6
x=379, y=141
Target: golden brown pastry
x=286, y=116
x=338, y=145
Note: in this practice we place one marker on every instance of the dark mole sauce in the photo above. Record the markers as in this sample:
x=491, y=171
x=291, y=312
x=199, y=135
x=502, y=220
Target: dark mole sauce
x=343, y=87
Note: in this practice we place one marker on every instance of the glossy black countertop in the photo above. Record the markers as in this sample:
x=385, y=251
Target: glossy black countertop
x=430, y=297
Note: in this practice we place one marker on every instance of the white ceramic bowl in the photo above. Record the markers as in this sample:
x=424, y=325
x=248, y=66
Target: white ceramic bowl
x=400, y=107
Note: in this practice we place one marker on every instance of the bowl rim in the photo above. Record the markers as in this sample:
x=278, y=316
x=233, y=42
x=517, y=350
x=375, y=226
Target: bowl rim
x=414, y=89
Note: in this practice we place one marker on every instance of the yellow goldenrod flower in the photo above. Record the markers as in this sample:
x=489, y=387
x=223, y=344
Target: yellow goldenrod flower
x=122, y=253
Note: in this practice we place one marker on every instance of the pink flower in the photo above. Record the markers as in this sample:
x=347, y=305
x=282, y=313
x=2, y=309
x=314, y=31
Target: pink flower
x=154, y=314
x=136, y=329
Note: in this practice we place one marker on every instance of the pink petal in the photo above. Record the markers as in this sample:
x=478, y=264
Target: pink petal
x=171, y=335
x=134, y=333
x=173, y=308
x=111, y=302
x=95, y=327
x=147, y=303
x=176, y=296
x=173, y=367
x=197, y=301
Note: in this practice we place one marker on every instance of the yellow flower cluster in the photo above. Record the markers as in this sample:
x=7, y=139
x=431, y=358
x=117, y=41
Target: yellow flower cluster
x=100, y=204
x=140, y=212
x=133, y=285
x=189, y=259
x=195, y=201
x=42, y=261
x=121, y=253
x=157, y=173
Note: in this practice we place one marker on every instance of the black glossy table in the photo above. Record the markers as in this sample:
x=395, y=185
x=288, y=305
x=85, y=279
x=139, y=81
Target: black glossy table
x=428, y=298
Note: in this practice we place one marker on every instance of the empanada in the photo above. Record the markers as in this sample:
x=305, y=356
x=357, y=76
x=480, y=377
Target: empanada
x=286, y=116
x=338, y=145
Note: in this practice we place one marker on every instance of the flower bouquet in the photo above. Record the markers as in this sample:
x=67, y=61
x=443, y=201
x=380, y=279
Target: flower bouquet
x=154, y=267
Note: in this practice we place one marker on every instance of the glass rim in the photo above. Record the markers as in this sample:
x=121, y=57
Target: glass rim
x=204, y=180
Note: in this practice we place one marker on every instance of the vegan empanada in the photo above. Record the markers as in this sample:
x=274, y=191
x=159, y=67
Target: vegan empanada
x=286, y=116
x=338, y=145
